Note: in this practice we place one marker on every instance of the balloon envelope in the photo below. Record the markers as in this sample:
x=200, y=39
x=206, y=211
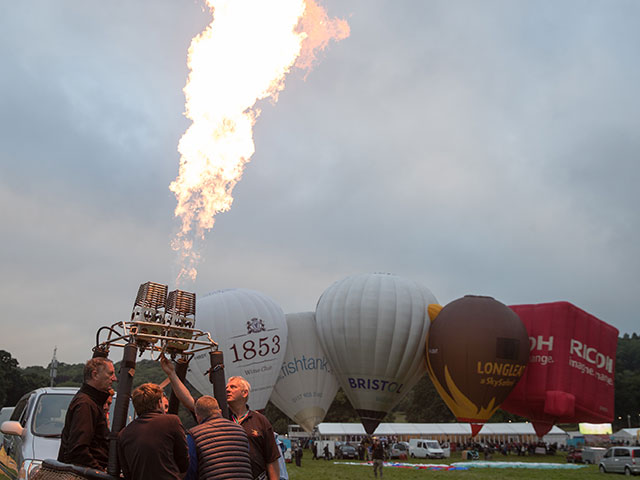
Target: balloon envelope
x=570, y=377
x=251, y=331
x=372, y=328
x=306, y=386
x=477, y=350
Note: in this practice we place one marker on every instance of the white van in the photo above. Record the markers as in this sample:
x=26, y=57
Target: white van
x=33, y=432
x=425, y=448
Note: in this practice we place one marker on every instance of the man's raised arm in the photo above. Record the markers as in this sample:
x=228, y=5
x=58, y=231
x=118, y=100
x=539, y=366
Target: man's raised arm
x=176, y=384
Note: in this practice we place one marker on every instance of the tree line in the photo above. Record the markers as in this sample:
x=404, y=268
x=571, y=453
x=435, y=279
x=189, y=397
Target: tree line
x=421, y=405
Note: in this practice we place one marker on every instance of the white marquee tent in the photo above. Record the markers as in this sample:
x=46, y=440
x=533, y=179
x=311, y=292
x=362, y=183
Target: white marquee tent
x=630, y=435
x=452, y=432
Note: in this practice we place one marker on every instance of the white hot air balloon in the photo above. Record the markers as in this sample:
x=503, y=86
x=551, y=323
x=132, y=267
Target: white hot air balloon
x=306, y=385
x=373, y=328
x=251, y=330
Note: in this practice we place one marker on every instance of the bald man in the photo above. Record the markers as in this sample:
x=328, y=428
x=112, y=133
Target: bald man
x=218, y=448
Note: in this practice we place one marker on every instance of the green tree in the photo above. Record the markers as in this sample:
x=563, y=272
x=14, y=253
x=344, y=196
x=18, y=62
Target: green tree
x=278, y=419
x=627, y=382
x=9, y=372
x=341, y=410
x=425, y=405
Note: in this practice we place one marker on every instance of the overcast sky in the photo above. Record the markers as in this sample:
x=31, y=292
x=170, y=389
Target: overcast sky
x=475, y=147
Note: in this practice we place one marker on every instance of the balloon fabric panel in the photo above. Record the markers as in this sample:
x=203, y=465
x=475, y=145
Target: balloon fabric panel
x=372, y=328
x=477, y=349
x=571, y=367
x=306, y=385
x=251, y=330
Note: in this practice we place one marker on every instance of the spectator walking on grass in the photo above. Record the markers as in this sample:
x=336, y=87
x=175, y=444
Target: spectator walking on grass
x=378, y=457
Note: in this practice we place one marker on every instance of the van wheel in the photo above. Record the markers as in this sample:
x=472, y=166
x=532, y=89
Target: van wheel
x=627, y=471
x=602, y=469
x=413, y=456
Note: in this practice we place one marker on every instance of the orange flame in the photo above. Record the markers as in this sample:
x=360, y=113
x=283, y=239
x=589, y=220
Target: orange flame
x=243, y=56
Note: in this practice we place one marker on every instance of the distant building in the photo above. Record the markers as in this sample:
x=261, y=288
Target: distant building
x=297, y=433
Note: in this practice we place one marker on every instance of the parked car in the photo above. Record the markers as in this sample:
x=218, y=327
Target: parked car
x=399, y=450
x=33, y=432
x=621, y=460
x=346, y=451
x=574, y=455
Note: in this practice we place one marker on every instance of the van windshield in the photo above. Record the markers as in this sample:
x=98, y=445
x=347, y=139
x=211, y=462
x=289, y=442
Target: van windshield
x=50, y=412
x=433, y=445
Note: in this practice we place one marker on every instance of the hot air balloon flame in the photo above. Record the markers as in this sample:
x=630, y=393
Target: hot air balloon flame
x=243, y=56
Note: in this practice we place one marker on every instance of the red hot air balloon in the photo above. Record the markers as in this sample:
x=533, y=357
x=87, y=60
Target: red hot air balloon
x=571, y=367
x=477, y=350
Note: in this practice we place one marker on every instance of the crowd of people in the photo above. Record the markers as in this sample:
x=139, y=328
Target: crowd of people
x=156, y=446
x=488, y=449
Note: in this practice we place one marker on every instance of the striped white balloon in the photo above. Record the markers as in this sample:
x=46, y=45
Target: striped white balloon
x=306, y=385
x=252, y=333
x=373, y=328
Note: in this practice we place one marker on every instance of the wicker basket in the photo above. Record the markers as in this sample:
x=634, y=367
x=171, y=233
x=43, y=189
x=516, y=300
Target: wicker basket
x=54, y=470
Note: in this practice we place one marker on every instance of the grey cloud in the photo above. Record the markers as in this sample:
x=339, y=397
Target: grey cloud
x=475, y=147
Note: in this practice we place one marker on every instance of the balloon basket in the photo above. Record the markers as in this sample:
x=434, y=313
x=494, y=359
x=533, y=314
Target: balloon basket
x=54, y=470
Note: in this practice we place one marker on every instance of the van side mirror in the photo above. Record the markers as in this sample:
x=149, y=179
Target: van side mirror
x=12, y=428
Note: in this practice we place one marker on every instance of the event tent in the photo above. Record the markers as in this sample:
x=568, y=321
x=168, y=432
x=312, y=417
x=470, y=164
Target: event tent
x=630, y=435
x=451, y=432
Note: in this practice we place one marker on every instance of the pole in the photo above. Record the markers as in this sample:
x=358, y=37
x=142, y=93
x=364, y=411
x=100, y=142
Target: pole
x=181, y=372
x=123, y=395
x=217, y=378
x=53, y=372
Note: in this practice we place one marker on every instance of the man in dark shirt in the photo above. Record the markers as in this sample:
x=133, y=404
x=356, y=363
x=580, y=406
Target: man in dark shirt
x=84, y=439
x=263, y=448
x=154, y=445
x=378, y=457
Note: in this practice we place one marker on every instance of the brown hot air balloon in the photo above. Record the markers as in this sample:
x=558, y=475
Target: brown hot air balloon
x=477, y=350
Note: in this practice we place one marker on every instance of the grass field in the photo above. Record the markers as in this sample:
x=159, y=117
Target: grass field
x=321, y=470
